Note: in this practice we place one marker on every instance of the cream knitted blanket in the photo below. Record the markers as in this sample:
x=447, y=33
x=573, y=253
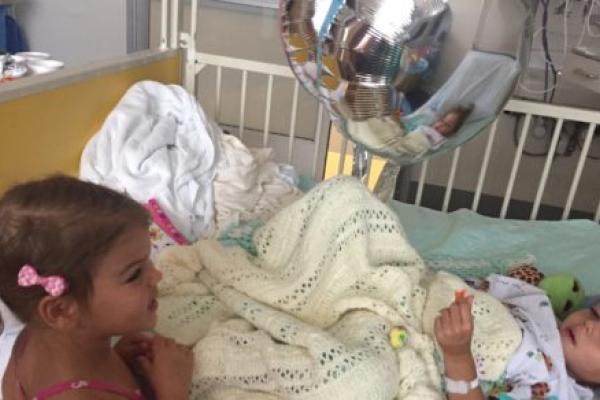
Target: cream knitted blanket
x=309, y=317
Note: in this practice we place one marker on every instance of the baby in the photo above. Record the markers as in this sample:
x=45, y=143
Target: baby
x=430, y=137
x=550, y=361
x=388, y=134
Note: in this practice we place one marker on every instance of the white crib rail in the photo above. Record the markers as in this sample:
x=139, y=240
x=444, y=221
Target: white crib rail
x=529, y=110
x=174, y=37
x=560, y=114
x=270, y=72
x=196, y=62
x=484, y=167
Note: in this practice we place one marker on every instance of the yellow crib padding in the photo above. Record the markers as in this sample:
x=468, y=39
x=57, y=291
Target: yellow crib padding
x=333, y=160
x=45, y=132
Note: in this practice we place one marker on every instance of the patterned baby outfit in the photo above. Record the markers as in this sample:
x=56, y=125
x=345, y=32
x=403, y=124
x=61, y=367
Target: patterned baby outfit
x=537, y=370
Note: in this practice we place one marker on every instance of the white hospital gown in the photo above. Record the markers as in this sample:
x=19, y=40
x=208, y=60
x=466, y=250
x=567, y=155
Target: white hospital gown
x=537, y=370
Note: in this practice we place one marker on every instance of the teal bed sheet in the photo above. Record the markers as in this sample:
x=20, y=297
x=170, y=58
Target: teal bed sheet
x=558, y=246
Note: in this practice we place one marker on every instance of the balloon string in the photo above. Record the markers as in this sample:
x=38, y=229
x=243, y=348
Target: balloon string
x=334, y=9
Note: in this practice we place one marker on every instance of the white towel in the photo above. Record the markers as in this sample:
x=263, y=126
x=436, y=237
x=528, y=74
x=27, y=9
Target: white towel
x=157, y=143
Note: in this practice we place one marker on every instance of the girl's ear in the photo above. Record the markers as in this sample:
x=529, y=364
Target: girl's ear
x=61, y=313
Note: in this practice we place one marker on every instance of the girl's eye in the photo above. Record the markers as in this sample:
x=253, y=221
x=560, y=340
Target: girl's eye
x=135, y=276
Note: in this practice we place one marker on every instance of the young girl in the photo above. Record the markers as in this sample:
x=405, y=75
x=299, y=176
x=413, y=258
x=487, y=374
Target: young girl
x=550, y=360
x=75, y=269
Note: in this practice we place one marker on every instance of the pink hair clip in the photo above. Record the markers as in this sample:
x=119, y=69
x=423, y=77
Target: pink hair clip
x=53, y=285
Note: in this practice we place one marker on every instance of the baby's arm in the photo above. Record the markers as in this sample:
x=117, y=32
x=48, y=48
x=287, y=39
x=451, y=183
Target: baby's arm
x=453, y=330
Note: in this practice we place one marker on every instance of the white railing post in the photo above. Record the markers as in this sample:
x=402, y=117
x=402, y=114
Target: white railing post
x=243, y=104
x=484, y=165
x=582, y=158
x=219, y=89
x=451, y=178
x=293, y=123
x=174, y=24
x=421, y=185
x=515, y=167
x=164, y=24
x=546, y=172
x=268, y=111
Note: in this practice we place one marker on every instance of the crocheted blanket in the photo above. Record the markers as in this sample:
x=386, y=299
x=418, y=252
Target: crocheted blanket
x=309, y=316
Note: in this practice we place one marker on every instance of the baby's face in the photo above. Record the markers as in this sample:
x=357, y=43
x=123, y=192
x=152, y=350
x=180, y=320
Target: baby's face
x=580, y=337
x=447, y=125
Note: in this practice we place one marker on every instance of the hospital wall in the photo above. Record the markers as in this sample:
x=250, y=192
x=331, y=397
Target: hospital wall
x=76, y=32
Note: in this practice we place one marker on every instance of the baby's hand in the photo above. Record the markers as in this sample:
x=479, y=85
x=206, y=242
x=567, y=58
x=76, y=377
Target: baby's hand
x=453, y=328
x=170, y=369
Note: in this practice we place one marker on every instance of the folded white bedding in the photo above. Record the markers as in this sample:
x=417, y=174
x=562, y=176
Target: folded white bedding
x=249, y=185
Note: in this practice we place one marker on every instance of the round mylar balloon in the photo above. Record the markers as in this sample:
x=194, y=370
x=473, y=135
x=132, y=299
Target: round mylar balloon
x=408, y=78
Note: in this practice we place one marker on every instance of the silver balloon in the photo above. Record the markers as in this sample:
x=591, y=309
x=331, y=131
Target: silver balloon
x=382, y=69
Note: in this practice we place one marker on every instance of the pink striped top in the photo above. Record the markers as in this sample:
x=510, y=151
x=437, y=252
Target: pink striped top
x=78, y=384
x=60, y=388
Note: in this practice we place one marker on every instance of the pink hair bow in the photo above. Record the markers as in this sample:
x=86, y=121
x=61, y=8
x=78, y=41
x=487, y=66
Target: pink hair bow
x=53, y=285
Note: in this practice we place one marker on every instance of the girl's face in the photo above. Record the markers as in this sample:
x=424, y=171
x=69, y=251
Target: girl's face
x=580, y=337
x=125, y=287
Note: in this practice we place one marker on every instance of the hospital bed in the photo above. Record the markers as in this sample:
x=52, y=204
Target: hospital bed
x=45, y=122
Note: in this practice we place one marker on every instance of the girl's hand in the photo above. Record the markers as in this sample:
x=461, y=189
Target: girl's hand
x=453, y=328
x=170, y=369
x=130, y=347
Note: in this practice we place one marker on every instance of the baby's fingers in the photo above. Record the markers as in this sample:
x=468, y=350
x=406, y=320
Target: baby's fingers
x=438, y=328
x=465, y=309
x=455, y=314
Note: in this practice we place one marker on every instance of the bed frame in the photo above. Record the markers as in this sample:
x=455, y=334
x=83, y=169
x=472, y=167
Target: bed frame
x=53, y=139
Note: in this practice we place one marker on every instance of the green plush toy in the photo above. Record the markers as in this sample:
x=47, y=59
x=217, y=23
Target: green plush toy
x=565, y=293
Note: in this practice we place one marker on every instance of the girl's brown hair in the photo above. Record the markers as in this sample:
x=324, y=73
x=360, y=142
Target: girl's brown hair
x=61, y=226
